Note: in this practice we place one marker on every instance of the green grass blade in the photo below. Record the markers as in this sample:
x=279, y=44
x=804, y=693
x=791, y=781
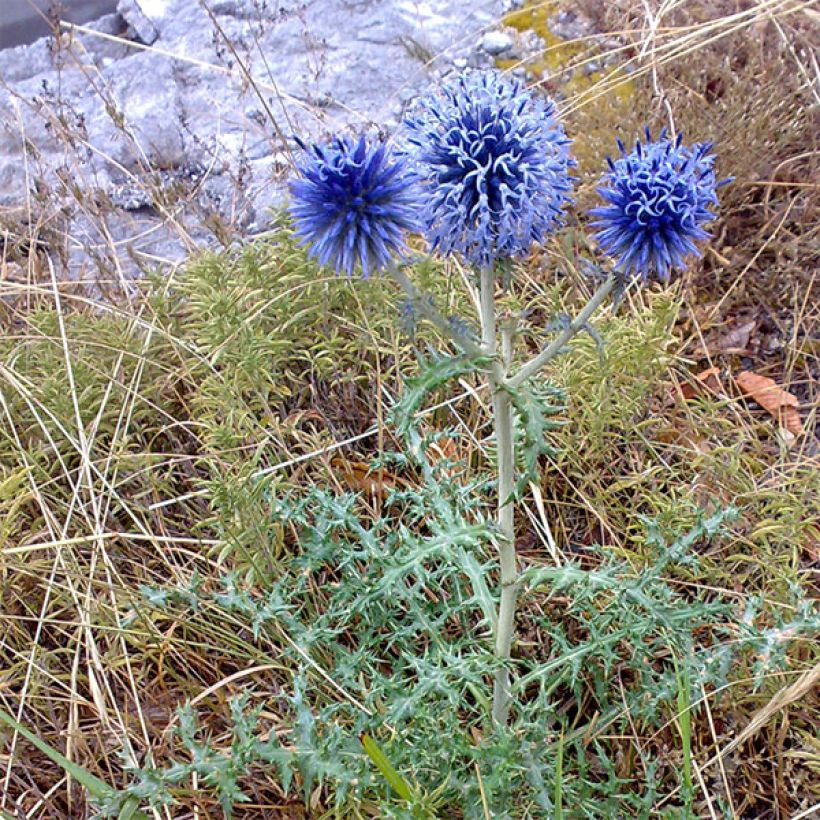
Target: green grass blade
x=685, y=725
x=558, y=798
x=130, y=811
x=399, y=785
x=96, y=787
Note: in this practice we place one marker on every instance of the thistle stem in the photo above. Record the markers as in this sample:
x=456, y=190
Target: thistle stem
x=501, y=384
x=503, y=427
x=552, y=350
x=502, y=413
x=487, y=302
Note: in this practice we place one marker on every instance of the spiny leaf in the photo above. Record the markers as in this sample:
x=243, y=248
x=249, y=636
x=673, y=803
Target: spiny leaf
x=433, y=375
x=478, y=578
x=534, y=406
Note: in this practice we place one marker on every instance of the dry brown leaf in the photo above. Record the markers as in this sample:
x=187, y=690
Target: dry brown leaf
x=781, y=404
x=11, y=272
x=708, y=379
x=300, y=416
x=730, y=339
x=736, y=339
x=358, y=475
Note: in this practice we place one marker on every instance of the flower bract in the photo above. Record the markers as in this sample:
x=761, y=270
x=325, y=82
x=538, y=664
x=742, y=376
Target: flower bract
x=495, y=164
x=352, y=203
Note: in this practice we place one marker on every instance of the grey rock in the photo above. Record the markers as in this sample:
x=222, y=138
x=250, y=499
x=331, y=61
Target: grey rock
x=23, y=62
x=531, y=44
x=139, y=22
x=107, y=24
x=571, y=25
x=129, y=197
x=496, y=42
x=176, y=145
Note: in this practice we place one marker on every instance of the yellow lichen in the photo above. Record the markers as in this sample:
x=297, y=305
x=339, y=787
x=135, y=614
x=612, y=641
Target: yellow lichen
x=598, y=99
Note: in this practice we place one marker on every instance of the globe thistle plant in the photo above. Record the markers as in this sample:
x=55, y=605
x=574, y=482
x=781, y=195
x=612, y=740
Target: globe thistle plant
x=352, y=204
x=658, y=199
x=495, y=163
x=485, y=171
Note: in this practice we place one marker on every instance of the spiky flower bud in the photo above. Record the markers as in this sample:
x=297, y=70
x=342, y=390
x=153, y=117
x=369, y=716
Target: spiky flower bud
x=352, y=204
x=659, y=197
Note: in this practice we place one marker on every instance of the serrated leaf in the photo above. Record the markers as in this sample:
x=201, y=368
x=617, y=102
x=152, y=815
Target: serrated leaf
x=534, y=412
x=481, y=591
x=433, y=375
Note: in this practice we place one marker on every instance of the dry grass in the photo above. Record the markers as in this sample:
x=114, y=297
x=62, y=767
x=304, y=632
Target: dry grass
x=121, y=419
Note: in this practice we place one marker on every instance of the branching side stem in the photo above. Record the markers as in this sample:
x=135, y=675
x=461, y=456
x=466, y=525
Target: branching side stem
x=428, y=310
x=553, y=349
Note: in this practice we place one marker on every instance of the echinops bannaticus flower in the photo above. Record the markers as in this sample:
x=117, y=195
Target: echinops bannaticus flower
x=658, y=198
x=495, y=165
x=352, y=204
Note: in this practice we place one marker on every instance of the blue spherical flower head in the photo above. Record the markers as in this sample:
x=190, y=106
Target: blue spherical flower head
x=495, y=163
x=659, y=197
x=353, y=203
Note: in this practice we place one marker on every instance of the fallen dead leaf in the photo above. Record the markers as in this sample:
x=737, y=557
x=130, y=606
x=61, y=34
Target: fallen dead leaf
x=358, y=475
x=778, y=402
x=708, y=379
x=736, y=339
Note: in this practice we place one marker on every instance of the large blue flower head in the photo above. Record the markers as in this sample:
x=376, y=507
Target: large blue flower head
x=658, y=198
x=353, y=203
x=495, y=163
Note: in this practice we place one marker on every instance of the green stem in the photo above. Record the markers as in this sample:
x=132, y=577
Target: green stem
x=503, y=418
x=501, y=384
x=502, y=413
x=552, y=350
x=487, y=297
x=503, y=428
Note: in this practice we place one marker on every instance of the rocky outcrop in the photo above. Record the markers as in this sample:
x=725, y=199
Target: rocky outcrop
x=169, y=124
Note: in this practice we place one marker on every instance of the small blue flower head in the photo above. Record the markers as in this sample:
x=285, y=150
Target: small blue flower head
x=658, y=198
x=495, y=163
x=353, y=203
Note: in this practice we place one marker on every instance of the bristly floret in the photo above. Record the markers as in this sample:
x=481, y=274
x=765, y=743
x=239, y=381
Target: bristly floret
x=353, y=203
x=658, y=198
x=495, y=163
